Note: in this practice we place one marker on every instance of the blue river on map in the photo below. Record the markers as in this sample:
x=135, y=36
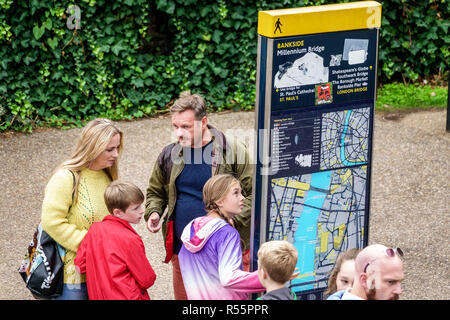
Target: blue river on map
x=344, y=161
x=306, y=234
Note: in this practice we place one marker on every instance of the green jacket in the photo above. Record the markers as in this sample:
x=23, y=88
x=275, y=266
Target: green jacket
x=228, y=156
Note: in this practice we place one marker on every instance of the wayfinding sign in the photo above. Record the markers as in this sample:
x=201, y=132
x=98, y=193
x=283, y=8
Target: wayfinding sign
x=316, y=84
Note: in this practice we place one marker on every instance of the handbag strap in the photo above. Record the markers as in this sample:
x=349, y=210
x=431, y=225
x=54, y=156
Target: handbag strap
x=73, y=190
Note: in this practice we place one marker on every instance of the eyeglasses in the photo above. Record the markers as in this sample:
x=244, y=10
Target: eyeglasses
x=390, y=252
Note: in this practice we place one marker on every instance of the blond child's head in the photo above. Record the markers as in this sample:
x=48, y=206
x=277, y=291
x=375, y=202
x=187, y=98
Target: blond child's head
x=124, y=200
x=278, y=259
x=222, y=195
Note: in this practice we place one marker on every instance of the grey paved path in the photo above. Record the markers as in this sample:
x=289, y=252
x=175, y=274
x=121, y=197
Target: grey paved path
x=409, y=203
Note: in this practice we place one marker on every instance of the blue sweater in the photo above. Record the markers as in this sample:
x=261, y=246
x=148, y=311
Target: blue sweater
x=189, y=184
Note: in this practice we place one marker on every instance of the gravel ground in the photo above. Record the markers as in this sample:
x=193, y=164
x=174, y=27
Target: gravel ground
x=409, y=202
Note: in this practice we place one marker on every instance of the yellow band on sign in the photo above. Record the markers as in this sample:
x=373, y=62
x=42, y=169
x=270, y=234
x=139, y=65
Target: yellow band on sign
x=319, y=19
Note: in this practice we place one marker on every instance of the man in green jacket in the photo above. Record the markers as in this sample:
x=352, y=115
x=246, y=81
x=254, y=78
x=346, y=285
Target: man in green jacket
x=174, y=194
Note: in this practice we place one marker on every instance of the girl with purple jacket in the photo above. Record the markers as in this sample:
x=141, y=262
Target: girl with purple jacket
x=211, y=256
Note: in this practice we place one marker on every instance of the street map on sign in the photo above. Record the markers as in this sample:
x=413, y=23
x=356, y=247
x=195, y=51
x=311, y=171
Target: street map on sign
x=345, y=136
x=322, y=213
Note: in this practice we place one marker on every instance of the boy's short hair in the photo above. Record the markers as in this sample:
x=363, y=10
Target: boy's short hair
x=119, y=195
x=279, y=259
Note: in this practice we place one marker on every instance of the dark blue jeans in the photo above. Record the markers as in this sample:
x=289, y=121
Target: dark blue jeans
x=74, y=292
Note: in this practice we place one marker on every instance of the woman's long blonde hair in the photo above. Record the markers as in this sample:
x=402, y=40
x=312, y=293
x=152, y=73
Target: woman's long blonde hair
x=94, y=139
x=216, y=189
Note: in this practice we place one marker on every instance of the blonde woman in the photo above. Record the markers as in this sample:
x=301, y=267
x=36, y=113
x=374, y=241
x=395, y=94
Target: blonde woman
x=74, y=196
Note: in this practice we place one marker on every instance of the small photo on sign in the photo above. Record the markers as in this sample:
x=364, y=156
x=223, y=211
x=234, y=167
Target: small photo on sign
x=307, y=70
x=324, y=93
x=355, y=51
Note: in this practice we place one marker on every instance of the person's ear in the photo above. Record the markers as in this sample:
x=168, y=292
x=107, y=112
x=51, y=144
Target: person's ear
x=263, y=272
x=219, y=203
x=204, y=122
x=117, y=213
x=367, y=281
x=363, y=281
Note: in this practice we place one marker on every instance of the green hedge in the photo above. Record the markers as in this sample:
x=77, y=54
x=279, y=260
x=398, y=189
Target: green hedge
x=130, y=58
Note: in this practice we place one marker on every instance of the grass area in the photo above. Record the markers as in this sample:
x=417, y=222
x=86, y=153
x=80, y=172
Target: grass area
x=397, y=96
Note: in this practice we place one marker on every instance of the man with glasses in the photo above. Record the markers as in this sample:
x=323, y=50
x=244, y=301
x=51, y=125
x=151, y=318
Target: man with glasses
x=379, y=273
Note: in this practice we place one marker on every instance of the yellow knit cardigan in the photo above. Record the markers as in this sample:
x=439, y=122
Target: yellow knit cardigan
x=68, y=228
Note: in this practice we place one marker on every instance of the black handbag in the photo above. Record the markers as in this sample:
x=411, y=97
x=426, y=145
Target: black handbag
x=42, y=269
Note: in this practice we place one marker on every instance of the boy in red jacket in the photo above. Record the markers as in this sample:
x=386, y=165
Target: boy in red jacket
x=112, y=254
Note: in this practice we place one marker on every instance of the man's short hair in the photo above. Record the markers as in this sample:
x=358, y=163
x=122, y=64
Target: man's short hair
x=279, y=259
x=120, y=195
x=189, y=101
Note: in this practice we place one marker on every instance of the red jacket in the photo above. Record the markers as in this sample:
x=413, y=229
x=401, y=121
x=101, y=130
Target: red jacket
x=112, y=255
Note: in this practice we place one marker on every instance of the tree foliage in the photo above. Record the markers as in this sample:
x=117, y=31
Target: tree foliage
x=64, y=62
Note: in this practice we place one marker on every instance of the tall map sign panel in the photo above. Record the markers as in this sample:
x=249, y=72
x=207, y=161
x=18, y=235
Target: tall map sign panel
x=316, y=83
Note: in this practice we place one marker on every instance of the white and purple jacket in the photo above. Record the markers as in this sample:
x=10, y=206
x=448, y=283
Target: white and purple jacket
x=211, y=262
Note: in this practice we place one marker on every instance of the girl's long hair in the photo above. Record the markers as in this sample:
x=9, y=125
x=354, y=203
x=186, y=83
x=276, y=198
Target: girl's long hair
x=94, y=139
x=216, y=189
x=344, y=256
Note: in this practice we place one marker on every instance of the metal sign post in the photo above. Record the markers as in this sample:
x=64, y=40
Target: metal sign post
x=315, y=98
